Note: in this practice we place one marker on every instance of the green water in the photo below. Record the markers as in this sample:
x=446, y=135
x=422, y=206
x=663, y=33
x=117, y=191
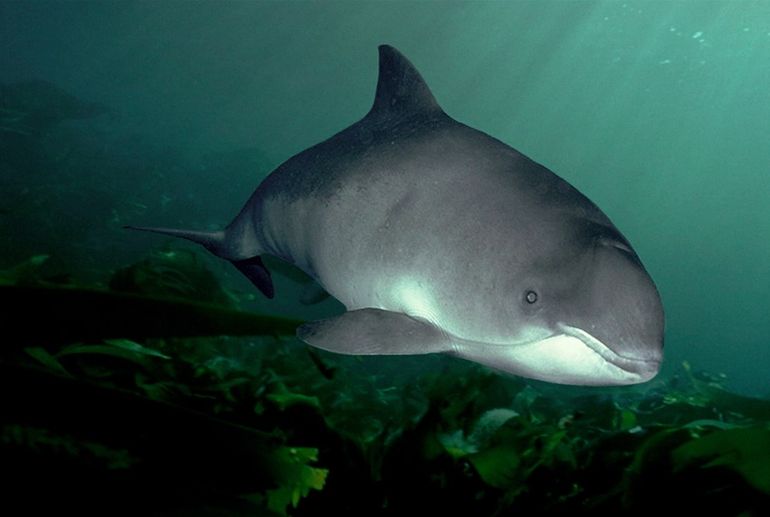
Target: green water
x=659, y=111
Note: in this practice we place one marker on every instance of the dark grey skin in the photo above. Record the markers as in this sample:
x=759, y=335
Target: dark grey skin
x=439, y=238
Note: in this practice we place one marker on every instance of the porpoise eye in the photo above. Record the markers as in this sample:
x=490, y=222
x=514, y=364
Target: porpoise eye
x=531, y=296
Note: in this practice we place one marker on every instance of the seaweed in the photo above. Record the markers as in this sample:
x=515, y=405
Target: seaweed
x=745, y=451
x=55, y=315
x=174, y=273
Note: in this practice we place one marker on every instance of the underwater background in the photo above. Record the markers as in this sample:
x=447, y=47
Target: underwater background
x=141, y=375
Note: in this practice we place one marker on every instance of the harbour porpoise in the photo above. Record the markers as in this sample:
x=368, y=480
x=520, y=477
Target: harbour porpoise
x=438, y=238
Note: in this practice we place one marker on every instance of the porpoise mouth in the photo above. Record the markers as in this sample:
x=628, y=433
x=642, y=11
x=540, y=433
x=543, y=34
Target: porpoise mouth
x=646, y=369
x=569, y=356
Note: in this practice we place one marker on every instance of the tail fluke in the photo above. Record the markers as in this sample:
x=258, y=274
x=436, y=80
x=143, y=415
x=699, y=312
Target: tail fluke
x=212, y=241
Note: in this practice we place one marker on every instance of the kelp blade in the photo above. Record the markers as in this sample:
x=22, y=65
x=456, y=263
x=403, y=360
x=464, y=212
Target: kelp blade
x=50, y=315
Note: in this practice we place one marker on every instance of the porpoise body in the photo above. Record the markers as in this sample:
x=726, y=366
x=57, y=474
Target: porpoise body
x=438, y=238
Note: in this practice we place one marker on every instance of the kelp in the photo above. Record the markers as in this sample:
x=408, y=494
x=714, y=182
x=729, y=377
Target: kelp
x=169, y=294
x=173, y=273
x=101, y=415
x=137, y=450
x=52, y=314
x=745, y=451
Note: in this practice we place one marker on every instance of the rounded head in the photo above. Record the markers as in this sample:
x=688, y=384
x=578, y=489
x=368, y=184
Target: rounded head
x=603, y=309
x=583, y=312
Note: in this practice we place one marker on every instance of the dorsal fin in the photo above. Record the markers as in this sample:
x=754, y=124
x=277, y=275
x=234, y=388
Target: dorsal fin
x=401, y=89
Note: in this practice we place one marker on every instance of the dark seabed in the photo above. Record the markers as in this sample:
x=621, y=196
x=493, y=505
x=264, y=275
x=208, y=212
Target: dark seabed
x=142, y=376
